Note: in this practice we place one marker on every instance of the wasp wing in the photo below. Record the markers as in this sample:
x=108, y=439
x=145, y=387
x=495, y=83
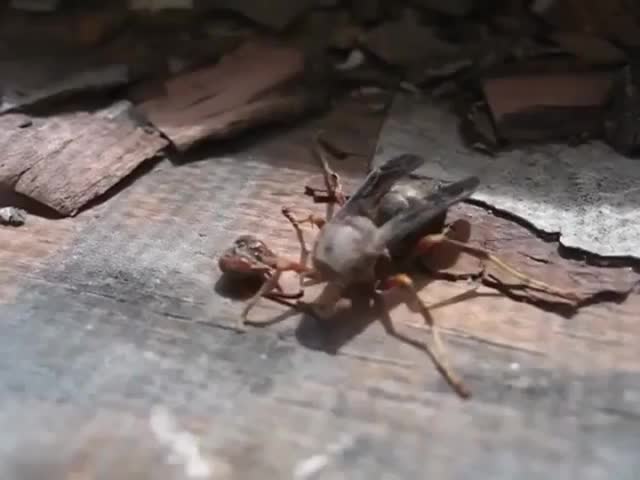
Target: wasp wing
x=419, y=214
x=377, y=183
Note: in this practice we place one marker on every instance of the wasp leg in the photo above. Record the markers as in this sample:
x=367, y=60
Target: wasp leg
x=271, y=283
x=324, y=305
x=429, y=241
x=438, y=355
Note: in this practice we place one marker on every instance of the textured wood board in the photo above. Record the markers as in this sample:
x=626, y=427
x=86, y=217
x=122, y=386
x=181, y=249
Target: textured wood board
x=183, y=284
x=616, y=19
x=120, y=315
x=537, y=107
x=278, y=14
x=239, y=92
x=66, y=160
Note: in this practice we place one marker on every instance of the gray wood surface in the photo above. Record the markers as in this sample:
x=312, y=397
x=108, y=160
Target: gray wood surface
x=111, y=319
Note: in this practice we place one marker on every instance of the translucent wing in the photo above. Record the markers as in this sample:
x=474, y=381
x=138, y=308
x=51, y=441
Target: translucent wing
x=365, y=199
x=419, y=213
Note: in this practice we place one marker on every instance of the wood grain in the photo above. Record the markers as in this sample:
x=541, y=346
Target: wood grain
x=245, y=89
x=66, y=160
x=127, y=317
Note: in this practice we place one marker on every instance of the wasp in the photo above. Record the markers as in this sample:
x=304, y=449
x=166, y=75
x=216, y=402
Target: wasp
x=389, y=220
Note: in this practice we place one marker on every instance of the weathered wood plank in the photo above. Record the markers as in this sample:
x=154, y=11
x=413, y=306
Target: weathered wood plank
x=254, y=84
x=548, y=106
x=115, y=322
x=67, y=160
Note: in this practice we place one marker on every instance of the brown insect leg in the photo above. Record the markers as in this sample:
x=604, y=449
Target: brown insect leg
x=304, y=250
x=426, y=243
x=331, y=178
x=280, y=293
x=265, y=289
x=271, y=283
x=324, y=305
x=315, y=220
x=438, y=355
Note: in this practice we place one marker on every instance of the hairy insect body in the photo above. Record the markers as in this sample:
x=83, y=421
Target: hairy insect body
x=333, y=254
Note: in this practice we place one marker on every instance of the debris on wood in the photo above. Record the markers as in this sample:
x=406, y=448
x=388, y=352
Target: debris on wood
x=376, y=100
x=367, y=11
x=614, y=19
x=230, y=29
x=27, y=85
x=539, y=259
x=548, y=106
x=515, y=20
x=456, y=8
x=275, y=14
x=591, y=49
x=59, y=31
x=66, y=160
x=312, y=32
x=406, y=42
x=258, y=83
x=12, y=216
x=35, y=5
x=622, y=122
x=580, y=197
x=355, y=59
x=344, y=34
x=91, y=29
x=151, y=52
x=477, y=129
x=157, y=5
x=444, y=71
x=540, y=70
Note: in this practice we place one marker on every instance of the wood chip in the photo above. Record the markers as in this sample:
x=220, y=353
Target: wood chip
x=367, y=11
x=477, y=129
x=275, y=14
x=522, y=250
x=456, y=8
x=405, y=42
x=58, y=32
x=614, y=19
x=67, y=160
x=255, y=84
x=546, y=106
x=35, y=5
x=591, y=49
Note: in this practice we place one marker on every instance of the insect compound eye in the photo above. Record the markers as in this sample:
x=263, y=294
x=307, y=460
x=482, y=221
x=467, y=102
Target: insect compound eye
x=256, y=247
x=246, y=241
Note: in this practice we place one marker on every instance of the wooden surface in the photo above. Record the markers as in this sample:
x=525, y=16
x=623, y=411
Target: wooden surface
x=243, y=90
x=114, y=315
x=64, y=161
